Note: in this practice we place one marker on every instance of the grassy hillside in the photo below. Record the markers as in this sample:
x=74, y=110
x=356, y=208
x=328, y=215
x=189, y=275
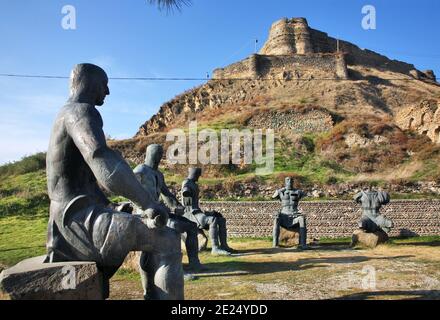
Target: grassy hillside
x=24, y=207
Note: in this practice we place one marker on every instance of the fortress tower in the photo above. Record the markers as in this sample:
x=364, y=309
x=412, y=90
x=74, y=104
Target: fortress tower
x=287, y=37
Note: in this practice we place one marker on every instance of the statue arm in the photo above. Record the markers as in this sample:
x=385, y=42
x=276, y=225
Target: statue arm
x=276, y=195
x=108, y=167
x=169, y=198
x=384, y=197
x=187, y=191
x=357, y=197
x=187, y=195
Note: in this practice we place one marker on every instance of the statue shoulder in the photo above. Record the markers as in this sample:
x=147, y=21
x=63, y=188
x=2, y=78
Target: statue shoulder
x=358, y=196
x=74, y=112
x=276, y=194
x=384, y=197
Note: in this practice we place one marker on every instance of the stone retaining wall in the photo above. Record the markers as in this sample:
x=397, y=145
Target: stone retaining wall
x=293, y=121
x=329, y=219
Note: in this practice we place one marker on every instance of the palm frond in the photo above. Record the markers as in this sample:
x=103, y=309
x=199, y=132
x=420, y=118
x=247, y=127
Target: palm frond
x=169, y=5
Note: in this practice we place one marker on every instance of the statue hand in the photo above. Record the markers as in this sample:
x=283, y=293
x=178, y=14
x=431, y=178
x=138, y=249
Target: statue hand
x=156, y=216
x=180, y=211
x=126, y=207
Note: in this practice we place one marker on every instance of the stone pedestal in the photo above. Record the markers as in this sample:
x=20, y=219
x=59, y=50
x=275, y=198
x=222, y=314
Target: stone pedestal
x=368, y=239
x=203, y=240
x=131, y=262
x=32, y=279
x=289, y=238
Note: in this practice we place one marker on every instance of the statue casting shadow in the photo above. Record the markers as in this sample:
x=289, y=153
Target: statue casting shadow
x=236, y=268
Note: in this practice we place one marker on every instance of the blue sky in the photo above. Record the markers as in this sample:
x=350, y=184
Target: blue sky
x=134, y=39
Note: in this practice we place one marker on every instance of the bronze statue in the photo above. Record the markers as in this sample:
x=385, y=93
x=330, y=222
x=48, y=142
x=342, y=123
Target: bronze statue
x=289, y=217
x=212, y=221
x=153, y=181
x=83, y=224
x=371, y=201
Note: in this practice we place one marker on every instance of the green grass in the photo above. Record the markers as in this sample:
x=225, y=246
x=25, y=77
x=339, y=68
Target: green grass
x=24, y=195
x=430, y=169
x=22, y=237
x=425, y=240
x=309, y=165
x=346, y=240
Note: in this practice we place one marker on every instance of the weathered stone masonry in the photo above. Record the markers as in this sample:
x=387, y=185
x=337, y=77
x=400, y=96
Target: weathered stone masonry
x=329, y=219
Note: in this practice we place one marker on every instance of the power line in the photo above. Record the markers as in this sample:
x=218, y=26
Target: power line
x=199, y=79
x=31, y=76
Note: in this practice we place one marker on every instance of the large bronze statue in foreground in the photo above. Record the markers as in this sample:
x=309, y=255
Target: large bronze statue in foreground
x=83, y=225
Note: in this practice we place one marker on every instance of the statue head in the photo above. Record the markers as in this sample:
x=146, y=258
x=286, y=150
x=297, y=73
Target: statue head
x=88, y=84
x=194, y=173
x=288, y=183
x=154, y=155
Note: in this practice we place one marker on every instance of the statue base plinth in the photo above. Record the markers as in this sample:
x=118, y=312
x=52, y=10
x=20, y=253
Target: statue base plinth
x=202, y=240
x=32, y=279
x=289, y=237
x=368, y=239
x=131, y=261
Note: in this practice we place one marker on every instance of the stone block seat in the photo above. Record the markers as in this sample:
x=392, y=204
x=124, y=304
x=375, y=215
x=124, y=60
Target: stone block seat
x=32, y=279
x=289, y=237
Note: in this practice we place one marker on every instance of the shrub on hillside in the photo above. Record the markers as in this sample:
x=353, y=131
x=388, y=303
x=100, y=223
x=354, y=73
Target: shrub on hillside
x=27, y=164
x=396, y=148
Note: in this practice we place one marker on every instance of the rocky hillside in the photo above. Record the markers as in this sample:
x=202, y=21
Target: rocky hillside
x=342, y=116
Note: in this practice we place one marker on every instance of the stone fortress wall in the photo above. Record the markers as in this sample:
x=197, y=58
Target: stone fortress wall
x=323, y=66
x=299, y=47
x=329, y=219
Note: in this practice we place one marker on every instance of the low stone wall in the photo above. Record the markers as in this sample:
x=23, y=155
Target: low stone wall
x=329, y=219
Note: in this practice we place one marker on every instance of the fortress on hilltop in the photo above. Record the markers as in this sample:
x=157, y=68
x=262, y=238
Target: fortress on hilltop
x=303, y=68
x=294, y=50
